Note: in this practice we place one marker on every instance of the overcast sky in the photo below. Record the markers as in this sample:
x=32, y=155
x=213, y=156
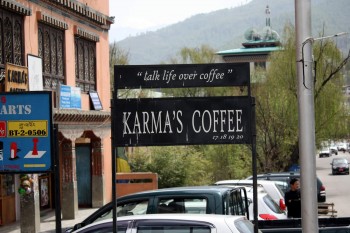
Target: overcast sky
x=136, y=16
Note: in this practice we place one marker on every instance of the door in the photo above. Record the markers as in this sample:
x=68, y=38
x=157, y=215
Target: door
x=83, y=163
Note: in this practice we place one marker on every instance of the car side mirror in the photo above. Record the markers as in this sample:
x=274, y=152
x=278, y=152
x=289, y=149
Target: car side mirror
x=250, y=201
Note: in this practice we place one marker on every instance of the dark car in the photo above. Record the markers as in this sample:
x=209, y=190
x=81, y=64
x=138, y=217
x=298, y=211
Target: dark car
x=183, y=200
x=340, y=166
x=283, y=178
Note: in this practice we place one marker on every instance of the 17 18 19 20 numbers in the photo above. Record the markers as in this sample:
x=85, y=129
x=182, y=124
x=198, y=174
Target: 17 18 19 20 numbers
x=228, y=137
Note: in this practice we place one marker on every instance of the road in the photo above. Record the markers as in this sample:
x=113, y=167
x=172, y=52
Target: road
x=337, y=186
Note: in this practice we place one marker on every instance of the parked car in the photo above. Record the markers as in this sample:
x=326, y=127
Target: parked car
x=283, y=178
x=324, y=152
x=334, y=149
x=340, y=166
x=171, y=223
x=184, y=200
x=267, y=207
x=269, y=186
x=342, y=146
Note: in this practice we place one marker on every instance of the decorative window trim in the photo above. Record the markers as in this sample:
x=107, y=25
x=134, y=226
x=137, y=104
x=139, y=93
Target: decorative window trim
x=16, y=7
x=82, y=9
x=85, y=34
x=42, y=17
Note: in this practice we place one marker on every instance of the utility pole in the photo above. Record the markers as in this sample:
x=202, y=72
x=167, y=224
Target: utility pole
x=309, y=207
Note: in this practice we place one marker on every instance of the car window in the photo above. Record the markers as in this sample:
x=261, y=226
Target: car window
x=121, y=230
x=236, y=203
x=272, y=205
x=103, y=228
x=339, y=161
x=173, y=229
x=279, y=189
x=245, y=226
x=131, y=208
x=282, y=182
x=182, y=205
x=172, y=226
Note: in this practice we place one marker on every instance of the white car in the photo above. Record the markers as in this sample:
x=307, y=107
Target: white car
x=267, y=207
x=269, y=186
x=342, y=146
x=170, y=223
x=324, y=152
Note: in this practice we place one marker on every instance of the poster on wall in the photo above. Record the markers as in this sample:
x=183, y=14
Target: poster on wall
x=95, y=100
x=35, y=73
x=70, y=97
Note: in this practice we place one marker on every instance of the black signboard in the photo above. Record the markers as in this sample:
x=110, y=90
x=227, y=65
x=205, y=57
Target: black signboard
x=181, y=75
x=183, y=121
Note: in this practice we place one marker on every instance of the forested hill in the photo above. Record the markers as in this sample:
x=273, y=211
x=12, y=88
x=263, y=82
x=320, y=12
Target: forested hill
x=224, y=29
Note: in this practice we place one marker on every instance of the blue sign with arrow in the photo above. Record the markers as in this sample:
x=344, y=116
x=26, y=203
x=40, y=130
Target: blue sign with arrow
x=26, y=132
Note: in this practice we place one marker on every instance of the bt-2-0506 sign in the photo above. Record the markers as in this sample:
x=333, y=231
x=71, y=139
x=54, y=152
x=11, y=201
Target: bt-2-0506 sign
x=26, y=132
x=183, y=121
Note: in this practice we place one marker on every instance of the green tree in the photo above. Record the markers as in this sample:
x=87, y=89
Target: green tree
x=202, y=55
x=175, y=165
x=117, y=56
x=277, y=109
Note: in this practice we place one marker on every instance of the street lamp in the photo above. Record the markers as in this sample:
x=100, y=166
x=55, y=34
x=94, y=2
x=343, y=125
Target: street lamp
x=312, y=40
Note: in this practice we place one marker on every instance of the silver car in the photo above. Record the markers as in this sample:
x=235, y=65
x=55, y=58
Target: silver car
x=173, y=223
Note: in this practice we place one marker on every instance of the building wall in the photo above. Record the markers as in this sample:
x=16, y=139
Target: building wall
x=73, y=20
x=102, y=47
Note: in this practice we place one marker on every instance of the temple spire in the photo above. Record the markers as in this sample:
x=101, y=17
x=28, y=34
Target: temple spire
x=267, y=12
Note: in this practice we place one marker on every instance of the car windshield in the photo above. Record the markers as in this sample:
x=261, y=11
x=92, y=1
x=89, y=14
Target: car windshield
x=339, y=161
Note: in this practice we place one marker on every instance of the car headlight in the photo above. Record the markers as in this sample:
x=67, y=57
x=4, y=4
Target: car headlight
x=334, y=167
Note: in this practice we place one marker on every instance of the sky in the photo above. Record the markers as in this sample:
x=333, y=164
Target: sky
x=133, y=17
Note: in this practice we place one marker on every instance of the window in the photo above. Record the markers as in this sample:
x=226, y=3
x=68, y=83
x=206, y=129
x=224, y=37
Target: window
x=245, y=226
x=85, y=64
x=260, y=65
x=132, y=208
x=272, y=204
x=11, y=39
x=182, y=205
x=51, y=44
x=174, y=229
x=236, y=201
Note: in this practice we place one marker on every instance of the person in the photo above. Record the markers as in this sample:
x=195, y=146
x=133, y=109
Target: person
x=292, y=199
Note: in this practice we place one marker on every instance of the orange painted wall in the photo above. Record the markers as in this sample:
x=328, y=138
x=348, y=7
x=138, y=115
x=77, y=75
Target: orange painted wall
x=102, y=48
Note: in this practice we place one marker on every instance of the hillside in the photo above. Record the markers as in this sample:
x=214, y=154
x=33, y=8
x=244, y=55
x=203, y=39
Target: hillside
x=224, y=29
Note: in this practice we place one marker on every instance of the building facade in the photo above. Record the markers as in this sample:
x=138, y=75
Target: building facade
x=70, y=39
